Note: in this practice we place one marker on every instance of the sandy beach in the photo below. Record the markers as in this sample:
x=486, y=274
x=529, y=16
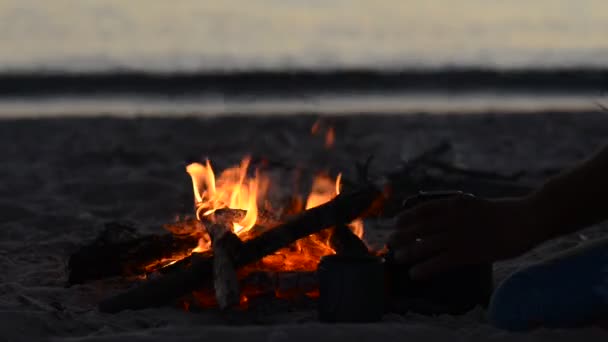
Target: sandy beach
x=62, y=179
x=103, y=104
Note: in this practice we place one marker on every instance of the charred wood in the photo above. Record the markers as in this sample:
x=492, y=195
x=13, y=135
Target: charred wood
x=225, y=282
x=120, y=250
x=344, y=208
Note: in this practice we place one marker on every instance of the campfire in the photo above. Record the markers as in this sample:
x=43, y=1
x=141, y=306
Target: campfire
x=236, y=193
x=237, y=230
x=243, y=242
x=236, y=203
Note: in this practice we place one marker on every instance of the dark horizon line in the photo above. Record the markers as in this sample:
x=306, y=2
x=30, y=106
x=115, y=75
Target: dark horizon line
x=295, y=82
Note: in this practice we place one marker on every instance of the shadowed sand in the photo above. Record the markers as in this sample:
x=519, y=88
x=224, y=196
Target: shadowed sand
x=63, y=178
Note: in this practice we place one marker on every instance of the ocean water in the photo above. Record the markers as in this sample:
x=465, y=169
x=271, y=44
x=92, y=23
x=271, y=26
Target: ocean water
x=280, y=36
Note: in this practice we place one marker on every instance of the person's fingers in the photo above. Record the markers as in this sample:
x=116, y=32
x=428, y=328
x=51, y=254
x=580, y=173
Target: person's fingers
x=443, y=262
x=417, y=214
x=423, y=248
x=423, y=230
x=402, y=238
x=420, y=230
x=427, y=211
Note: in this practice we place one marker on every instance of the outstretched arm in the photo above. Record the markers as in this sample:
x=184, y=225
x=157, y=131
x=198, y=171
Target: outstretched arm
x=448, y=233
x=574, y=199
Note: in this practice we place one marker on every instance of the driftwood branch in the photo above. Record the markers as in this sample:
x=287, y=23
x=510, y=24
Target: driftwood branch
x=225, y=281
x=344, y=208
x=432, y=153
x=120, y=250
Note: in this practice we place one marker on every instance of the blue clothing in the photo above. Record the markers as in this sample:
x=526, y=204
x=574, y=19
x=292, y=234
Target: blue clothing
x=567, y=291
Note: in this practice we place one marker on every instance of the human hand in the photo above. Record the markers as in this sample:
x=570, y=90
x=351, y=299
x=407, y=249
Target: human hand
x=463, y=230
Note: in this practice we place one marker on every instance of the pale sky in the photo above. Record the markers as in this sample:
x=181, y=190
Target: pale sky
x=192, y=34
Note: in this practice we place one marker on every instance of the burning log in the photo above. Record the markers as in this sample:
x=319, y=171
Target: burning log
x=343, y=208
x=264, y=218
x=341, y=239
x=225, y=281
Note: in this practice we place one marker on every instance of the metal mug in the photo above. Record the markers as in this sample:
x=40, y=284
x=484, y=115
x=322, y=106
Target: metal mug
x=351, y=289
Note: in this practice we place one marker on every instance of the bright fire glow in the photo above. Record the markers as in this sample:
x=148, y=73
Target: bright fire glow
x=234, y=189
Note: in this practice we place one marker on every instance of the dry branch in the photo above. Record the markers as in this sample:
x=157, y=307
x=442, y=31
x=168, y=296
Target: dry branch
x=472, y=173
x=344, y=208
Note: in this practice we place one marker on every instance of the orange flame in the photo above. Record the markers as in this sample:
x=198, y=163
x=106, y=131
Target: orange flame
x=330, y=137
x=323, y=190
x=234, y=189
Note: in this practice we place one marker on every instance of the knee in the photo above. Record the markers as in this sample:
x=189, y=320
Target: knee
x=512, y=306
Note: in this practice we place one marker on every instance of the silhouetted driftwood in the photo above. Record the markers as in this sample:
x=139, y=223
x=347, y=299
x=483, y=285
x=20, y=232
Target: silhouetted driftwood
x=120, y=250
x=431, y=154
x=344, y=208
x=342, y=240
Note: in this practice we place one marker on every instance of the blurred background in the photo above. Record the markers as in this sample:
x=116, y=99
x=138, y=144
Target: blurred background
x=144, y=57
